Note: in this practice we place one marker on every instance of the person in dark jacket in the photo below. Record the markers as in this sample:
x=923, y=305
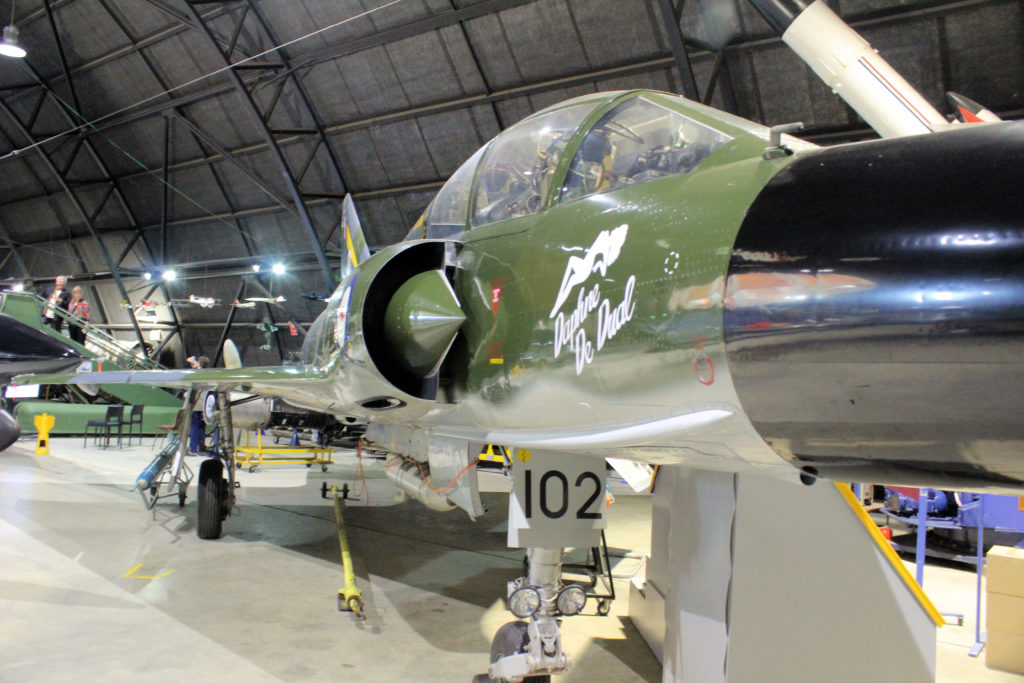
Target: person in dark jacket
x=56, y=296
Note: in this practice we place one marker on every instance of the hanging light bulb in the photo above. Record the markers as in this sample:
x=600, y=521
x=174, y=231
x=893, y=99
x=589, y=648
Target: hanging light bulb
x=9, y=46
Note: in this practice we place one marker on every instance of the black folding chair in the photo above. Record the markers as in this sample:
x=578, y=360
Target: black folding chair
x=113, y=420
x=134, y=418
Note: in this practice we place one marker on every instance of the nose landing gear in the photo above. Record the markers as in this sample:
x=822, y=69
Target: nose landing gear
x=532, y=651
x=216, y=494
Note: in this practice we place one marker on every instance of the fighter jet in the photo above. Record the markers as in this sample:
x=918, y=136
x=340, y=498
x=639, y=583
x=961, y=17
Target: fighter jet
x=635, y=275
x=201, y=301
x=266, y=299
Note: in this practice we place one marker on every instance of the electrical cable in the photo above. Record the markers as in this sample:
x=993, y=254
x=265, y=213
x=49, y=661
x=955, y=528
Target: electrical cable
x=451, y=484
x=363, y=487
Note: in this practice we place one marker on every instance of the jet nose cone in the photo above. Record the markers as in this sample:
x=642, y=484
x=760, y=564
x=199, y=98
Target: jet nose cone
x=422, y=320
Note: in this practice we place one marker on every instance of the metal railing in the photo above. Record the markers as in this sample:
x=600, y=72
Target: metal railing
x=102, y=343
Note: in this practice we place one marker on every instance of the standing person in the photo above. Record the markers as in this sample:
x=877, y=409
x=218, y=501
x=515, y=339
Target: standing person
x=197, y=430
x=57, y=296
x=79, y=309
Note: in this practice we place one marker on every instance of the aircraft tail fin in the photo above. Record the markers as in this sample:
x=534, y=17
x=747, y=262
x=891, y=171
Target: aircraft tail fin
x=969, y=111
x=355, y=248
x=232, y=359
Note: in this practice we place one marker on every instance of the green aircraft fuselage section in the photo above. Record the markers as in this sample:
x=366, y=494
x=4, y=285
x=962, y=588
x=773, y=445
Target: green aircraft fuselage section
x=622, y=336
x=602, y=310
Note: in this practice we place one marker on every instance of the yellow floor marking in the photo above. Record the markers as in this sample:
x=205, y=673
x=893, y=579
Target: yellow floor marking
x=132, y=575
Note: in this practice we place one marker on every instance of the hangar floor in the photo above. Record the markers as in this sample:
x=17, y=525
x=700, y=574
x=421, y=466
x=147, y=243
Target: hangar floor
x=94, y=587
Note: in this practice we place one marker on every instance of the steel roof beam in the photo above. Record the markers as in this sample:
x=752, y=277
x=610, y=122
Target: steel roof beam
x=318, y=131
x=857, y=21
x=80, y=208
x=409, y=30
x=222, y=153
x=113, y=190
x=677, y=44
x=305, y=220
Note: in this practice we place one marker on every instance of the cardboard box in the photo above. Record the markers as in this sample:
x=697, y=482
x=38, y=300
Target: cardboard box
x=1004, y=568
x=1004, y=613
x=1005, y=651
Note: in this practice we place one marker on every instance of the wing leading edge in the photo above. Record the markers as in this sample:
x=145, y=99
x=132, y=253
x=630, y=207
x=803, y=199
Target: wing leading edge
x=273, y=380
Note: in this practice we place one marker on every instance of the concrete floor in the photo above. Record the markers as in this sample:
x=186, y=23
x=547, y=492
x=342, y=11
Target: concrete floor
x=94, y=587
x=260, y=604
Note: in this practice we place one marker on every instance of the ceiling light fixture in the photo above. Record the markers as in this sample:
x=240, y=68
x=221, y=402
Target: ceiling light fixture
x=278, y=269
x=10, y=46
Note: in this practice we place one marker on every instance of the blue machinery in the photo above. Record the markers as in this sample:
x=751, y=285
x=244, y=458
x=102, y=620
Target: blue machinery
x=955, y=518
x=957, y=514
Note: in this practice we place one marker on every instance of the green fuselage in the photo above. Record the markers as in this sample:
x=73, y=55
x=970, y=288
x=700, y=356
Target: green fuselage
x=587, y=316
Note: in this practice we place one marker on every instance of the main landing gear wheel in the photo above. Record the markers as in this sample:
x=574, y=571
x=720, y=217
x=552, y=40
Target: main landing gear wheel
x=212, y=499
x=511, y=639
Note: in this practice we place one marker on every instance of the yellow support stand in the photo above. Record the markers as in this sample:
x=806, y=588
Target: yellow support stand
x=349, y=597
x=44, y=423
x=254, y=456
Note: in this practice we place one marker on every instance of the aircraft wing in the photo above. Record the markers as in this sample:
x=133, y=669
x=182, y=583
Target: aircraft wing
x=287, y=381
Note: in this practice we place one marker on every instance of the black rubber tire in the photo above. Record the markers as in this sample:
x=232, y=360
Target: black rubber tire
x=511, y=639
x=226, y=499
x=211, y=474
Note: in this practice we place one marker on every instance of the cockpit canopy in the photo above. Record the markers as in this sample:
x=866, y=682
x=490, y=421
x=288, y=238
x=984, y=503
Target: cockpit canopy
x=592, y=144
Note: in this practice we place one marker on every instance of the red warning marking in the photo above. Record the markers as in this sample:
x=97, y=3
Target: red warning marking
x=969, y=116
x=704, y=370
